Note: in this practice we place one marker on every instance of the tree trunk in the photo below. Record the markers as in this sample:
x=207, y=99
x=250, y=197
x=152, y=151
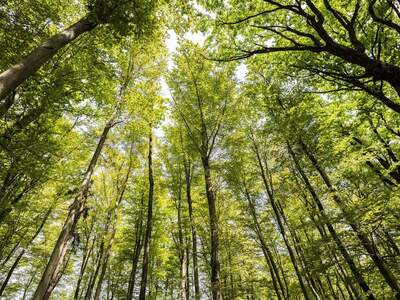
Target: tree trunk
x=18, y=73
x=85, y=260
x=93, y=276
x=10, y=254
x=17, y=260
x=275, y=276
x=187, y=264
x=278, y=219
x=57, y=258
x=104, y=264
x=215, y=266
x=368, y=245
x=10, y=272
x=149, y=225
x=136, y=253
x=114, y=216
x=28, y=284
x=188, y=181
x=347, y=257
x=181, y=248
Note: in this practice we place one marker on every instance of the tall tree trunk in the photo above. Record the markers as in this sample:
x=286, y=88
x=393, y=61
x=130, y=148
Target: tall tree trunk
x=136, y=253
x=187, y=265
x=10, y=254
x=215, y=266
x=368, y=245
x=347, y=257
x=275, y=276
x=282, y=271
x=188, y=181
x=86, y=257
x=17, y=260
x=149, y=225
x=10, y=272
x=342, y=273
x=28, y=284
x=181, y=248
x=114, y=216
x=311, y=280
x=231, y=276
x=93, y=276
x=278, y=218
x=18, y=73
x=104, y=264
x=57, y=258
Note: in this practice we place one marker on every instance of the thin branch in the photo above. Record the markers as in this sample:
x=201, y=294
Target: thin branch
x=218, y=127
x=379, y=20
x=250, y=17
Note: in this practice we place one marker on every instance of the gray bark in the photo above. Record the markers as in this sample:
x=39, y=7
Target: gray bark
x=18, y=73
x=149, y=225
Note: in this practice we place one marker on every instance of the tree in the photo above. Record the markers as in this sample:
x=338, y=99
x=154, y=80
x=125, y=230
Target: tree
x=354, y=55
x=131, y=168
x=122, y=15
x=193, y=97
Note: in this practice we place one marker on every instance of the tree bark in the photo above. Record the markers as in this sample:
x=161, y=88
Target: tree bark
x=278, y=219
x=18, y=73
x=136, y=253
x=149, y=225
x=346, y=256
x=215, y=265
x=17, y=260
x=57, y=258
x=275, y=276
x=188, y=181
x=368, y=245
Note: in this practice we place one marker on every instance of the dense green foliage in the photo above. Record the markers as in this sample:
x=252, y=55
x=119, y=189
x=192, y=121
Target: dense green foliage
x=257, y=156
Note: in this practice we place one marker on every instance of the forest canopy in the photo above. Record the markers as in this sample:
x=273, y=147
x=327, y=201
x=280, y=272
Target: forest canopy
x=202, y=149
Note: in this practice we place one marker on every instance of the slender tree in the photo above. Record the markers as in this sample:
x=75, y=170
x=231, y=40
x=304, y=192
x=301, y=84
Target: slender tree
x=149, y=223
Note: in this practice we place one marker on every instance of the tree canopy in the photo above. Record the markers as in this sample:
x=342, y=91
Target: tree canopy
x=199, y=149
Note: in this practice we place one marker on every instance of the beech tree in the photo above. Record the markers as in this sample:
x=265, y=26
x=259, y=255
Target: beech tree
x=199, y=150
x=121, y=15
x=323, y=32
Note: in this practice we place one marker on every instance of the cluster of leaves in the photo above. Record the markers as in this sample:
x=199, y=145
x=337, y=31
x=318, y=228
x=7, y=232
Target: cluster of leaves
x=283, y=183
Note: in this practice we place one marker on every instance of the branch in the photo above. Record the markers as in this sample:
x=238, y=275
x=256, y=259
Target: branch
x=355, y=81
x=294, y=8
x=379, y=20
x=217, y=127
x=249, y=17
x=290, y=29
x=192, y=137
x=265, y=50
x=348, y=24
